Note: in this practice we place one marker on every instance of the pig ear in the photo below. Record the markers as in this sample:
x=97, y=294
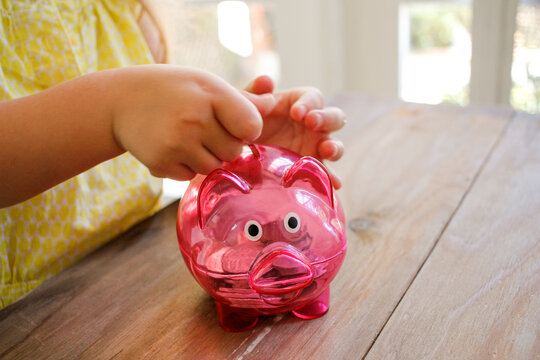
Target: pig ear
x=309, y=173
x=218, y=183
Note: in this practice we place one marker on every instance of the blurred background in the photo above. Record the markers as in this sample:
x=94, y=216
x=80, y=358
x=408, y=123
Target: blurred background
x=464, y=52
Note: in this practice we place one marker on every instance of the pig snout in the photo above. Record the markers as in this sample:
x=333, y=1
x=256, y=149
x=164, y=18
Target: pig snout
x=280, y=270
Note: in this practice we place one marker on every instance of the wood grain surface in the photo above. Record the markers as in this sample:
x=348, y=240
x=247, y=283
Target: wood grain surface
x=478, y=294
x=411, y=174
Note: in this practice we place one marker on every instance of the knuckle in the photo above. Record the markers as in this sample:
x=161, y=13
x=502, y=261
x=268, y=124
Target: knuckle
x=170, y=140
x=191, y=119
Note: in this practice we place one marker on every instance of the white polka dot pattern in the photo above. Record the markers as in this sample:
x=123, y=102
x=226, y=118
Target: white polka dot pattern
x=43, y=43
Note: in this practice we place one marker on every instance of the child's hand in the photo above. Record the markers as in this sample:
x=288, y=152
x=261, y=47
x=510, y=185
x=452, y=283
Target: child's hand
x=181, y=121
x=300, y=122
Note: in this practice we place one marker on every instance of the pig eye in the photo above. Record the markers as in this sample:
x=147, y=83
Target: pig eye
x=292, y=222
x=253, y=230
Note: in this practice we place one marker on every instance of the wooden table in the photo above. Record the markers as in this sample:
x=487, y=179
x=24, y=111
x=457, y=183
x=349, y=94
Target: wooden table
x=443, y=210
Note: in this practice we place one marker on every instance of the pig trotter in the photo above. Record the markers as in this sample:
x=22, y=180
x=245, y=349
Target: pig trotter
x=232, y=319
x=316, y=308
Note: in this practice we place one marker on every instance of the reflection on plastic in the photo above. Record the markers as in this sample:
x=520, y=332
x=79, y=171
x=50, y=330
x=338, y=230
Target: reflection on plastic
x=263, y=235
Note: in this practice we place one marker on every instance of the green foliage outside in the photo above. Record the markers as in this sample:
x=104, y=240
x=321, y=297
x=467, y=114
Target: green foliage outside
x=431, y=25
x=527, y=98
x=524, y=100
x=461, y=98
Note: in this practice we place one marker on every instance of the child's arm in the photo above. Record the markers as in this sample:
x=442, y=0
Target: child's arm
x=175, y=120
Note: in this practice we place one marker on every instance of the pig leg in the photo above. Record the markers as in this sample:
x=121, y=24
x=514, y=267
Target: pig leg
x=232, y=319
x=316, y=308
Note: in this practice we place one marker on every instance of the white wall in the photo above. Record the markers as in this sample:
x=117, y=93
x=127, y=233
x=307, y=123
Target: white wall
x=353, y=45
x=309, y=40
x=339, y=45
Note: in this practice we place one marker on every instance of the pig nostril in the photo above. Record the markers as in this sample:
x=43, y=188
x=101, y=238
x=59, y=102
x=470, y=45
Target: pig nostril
x=280, y=273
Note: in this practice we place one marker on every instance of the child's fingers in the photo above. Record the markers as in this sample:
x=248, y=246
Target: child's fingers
x=329, y=119
x=264, y=102
x=221, y=144
x=180, y=172
x=225, y=151
x=202, y=161
x=172, y=170
x=239, y=116
x=336, y=180
x=304, y=100
x=261, y=85
x=330, y=149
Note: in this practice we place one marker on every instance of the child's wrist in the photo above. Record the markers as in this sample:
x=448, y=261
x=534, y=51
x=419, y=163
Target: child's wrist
x=112, y=96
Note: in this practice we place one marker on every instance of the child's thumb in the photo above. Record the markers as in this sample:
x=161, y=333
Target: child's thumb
x=264, y=103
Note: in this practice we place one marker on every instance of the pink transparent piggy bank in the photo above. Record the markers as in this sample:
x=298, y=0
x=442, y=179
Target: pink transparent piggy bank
x=263, y=235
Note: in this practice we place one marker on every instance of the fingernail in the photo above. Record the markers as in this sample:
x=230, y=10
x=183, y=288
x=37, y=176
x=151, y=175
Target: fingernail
x=317, y=121
x=335, y=152
x=301, y=111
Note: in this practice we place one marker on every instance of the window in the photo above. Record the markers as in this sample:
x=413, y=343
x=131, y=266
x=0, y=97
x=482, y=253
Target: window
x=232, y=39
x=435, y=52
x=525, y=93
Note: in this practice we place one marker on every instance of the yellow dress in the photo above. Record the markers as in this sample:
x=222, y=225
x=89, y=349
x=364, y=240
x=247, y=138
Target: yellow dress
x=43, y=43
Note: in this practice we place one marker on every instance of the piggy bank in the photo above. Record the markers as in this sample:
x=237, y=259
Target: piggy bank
x=264, y=234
